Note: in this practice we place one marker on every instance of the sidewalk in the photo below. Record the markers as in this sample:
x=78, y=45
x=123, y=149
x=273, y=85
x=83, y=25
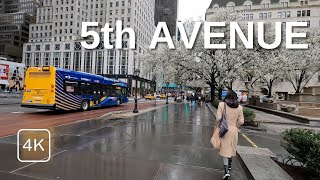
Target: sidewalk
x=7, y=98
x=277, y=124
x=164, y=144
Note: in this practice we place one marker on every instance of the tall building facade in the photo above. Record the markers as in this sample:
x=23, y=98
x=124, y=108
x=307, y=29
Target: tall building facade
x=55, y=38
x=1, y=6
x=15, y=18
x=167, y=11
x=272, y=11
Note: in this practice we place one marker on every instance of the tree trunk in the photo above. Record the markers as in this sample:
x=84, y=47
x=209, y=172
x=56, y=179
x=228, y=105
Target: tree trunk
x=270, y=89
x=213, y=87
x=231, y=85
x=299, y=83
x=220, y=93
x=212, y=93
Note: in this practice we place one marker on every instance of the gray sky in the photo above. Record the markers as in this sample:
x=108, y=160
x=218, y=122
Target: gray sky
x=192, y=9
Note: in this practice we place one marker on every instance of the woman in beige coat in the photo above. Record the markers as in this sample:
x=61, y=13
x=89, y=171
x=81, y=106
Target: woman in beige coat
x=234, y=117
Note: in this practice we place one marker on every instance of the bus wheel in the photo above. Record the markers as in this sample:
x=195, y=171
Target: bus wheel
x=85, y=105
x=118, y=102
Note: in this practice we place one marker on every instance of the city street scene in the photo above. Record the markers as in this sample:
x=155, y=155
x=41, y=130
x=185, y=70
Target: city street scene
x=159, y=90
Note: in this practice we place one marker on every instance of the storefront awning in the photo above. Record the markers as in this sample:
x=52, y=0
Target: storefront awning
x=170, y=86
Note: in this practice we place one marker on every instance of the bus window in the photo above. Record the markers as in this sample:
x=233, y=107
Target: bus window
x=71, y=87
x=40, y=74
x=124, y=91
x=113, y=91
x=85, y=89
x=118, y=91
x=105, y=90
x=97, y=89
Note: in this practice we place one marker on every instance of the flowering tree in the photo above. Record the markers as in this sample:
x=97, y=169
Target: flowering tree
x=302, y=65
x=217, y=68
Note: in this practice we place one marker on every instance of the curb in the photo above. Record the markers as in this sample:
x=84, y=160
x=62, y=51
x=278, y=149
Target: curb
x=259, y=164
x=313, y=122
x=3, y=104
x=255, y=128
x=213, y=111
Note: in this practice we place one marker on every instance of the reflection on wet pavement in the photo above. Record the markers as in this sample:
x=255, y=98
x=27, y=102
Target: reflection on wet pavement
x=167, y=143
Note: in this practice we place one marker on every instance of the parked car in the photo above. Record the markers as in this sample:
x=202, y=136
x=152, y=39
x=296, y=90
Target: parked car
x=149, y=97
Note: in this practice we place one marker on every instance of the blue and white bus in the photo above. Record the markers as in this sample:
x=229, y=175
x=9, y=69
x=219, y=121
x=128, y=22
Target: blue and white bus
x=60, y=89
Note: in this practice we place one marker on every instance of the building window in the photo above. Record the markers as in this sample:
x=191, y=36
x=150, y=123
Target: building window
x=67, y=46
x=47, y=47
x=28, y=59
x=57, y=47
x=99, y=62
x=247, y=7
x=56, y=59
x=248, y=16
x=77, y=61
x=37, y=59
x=28, y=47
x=284, y=4
x=46, y=59
x=88, y=61
x=66, y=60
x=284, y=14
x=37, y=47
x=303, y=13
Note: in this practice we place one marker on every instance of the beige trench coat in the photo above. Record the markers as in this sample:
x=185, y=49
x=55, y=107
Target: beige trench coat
x=235, y=119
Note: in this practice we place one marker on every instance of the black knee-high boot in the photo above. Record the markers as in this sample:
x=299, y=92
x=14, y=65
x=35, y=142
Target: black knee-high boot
x=226, y=173
x=229, y=163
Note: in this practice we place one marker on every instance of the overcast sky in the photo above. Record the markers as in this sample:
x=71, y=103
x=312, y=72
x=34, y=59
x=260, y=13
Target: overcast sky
x=192, y=9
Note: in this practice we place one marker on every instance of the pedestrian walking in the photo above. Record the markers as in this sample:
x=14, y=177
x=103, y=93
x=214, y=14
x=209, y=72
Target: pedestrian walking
x=16, y=79
x=192, y=99
x=233, y=114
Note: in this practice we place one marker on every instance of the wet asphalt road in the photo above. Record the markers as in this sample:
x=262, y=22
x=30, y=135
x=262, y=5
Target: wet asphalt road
x=168, y=143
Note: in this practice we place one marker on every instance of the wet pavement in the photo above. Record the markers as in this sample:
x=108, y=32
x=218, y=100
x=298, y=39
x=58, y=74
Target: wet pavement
x=24, y=118
x=168, y=143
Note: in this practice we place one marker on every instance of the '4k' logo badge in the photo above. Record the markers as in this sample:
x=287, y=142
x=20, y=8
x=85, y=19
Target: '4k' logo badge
x=34, y=145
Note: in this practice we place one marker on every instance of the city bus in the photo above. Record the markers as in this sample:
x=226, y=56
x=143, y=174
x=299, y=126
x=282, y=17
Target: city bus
x=60, y=89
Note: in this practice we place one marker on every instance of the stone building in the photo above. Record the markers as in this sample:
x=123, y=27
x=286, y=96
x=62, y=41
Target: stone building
x=272, y=11
x=55, y=38
x=167, y=11
x=15, y=18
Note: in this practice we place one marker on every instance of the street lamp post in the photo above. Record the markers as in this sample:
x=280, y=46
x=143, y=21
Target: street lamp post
x=181, y=91
x=136, y=74
x=167, y=92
